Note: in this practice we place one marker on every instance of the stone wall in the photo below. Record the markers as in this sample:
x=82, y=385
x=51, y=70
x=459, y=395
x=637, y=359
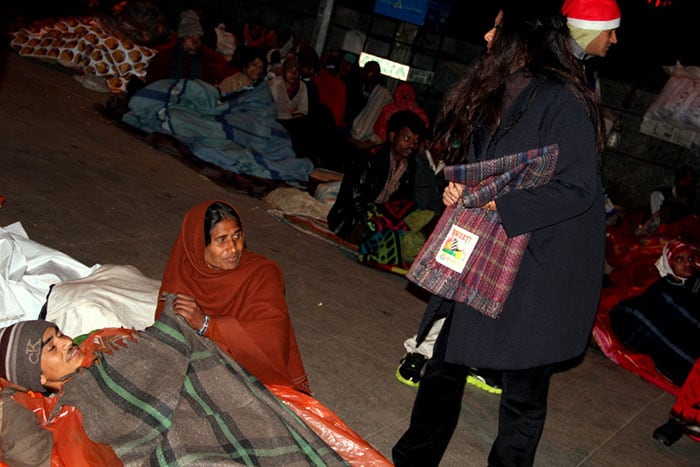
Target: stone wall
x=639, y=163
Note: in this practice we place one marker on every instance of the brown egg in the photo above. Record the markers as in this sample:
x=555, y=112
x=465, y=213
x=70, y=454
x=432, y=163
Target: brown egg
x=118, y=56
x=102, y=68
x=135, y=56
x=66, y=55
x=111, y=43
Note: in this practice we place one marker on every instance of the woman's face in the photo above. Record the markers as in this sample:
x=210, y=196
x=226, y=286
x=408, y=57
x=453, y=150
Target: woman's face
x=683, y=264
x=491, y=33
x=227, y=244
x=254, y=69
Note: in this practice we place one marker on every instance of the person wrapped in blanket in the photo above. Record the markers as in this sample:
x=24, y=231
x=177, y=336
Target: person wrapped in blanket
x=383, y=193
x=184, y=58
x=233, y=296
x=664, y=322
x=164, y=395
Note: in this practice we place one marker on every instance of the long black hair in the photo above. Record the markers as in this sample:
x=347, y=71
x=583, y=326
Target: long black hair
x=532, y=36
x=216, y=212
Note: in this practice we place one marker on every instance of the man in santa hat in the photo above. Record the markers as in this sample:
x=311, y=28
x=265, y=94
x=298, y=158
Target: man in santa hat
x=592, y=24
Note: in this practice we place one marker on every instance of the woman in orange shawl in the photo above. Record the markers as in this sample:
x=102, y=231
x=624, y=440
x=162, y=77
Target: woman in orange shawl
x=233, y=296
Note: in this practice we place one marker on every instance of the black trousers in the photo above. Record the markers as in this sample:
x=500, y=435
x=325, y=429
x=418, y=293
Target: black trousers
x=436, y=410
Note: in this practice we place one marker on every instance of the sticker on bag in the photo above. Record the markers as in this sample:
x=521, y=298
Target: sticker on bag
x=456, y=248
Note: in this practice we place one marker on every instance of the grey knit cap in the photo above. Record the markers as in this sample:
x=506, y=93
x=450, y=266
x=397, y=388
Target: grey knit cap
x=20, y=353
x=189, y=24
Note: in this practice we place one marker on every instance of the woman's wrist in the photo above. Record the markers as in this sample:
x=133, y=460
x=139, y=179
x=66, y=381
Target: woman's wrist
x=205, y=326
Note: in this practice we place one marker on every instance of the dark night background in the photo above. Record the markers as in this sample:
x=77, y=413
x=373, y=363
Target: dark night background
x=653, y=33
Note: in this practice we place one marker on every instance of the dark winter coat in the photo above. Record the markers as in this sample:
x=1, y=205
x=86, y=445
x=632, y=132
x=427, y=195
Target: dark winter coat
x=548, y=315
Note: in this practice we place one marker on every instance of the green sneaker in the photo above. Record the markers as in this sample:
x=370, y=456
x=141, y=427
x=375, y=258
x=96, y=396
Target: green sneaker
x=479, y=379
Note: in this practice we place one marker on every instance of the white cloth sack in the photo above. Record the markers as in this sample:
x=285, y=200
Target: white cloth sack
x=27, y=271
x=679, y=100
x=112, y=296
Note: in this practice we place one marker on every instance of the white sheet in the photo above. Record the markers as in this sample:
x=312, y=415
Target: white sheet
x=27, y=271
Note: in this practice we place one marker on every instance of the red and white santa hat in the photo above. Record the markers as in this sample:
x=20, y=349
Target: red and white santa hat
x=599, y=15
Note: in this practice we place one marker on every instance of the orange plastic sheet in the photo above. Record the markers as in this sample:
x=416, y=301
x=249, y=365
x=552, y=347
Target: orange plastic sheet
x=346, y=442
x=71, y=445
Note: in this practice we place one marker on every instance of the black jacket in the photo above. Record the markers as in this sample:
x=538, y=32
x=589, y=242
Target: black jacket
x=549, y=313
x=362, y=182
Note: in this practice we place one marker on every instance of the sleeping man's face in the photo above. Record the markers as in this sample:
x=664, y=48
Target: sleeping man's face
x=60, y=357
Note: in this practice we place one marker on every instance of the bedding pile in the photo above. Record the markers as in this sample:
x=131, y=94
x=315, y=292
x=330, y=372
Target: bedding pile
x=87, y=46
x=239, y=133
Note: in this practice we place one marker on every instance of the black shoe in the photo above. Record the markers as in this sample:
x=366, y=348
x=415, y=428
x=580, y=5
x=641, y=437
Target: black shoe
x=669, y=433
x=411, y=368
x=489, y=381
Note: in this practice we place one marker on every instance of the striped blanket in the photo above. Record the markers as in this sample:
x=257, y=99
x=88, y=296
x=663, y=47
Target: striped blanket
x=240, y=134
x=469, y=258
x=173, y=398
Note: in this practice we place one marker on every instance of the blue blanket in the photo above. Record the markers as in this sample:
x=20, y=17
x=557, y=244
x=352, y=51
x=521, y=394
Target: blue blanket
x=239, y=134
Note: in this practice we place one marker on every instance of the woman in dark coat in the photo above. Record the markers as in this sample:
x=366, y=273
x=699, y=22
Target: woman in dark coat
x=527, y=92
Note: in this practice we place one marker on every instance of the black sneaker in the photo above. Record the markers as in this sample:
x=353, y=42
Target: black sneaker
x=669, y=433
x=411, y=369
x=489, y=381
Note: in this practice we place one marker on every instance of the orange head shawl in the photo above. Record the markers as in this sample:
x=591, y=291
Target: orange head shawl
x=247, y=308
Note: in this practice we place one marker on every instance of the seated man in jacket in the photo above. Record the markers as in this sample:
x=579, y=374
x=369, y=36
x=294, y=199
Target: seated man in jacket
x=378, y=177
x=162, y=394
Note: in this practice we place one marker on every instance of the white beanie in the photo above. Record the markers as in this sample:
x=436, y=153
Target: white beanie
x=598, y=15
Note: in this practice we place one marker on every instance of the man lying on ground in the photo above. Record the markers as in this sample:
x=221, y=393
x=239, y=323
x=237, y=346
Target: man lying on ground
x=162, y=395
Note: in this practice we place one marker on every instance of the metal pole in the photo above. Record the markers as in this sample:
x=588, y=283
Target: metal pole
x=323, y=20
